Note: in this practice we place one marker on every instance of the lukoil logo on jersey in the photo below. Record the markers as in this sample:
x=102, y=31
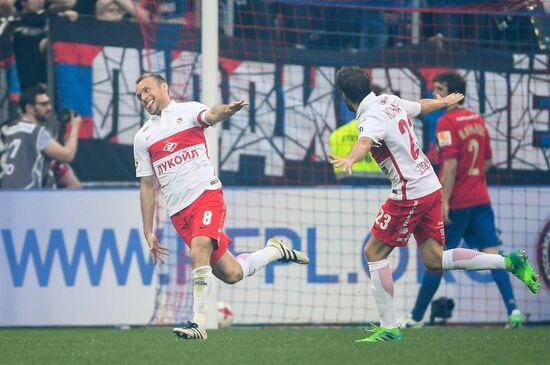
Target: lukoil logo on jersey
x=176, y=159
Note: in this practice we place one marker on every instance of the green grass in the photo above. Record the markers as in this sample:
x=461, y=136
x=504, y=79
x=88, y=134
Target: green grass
x=264, y=346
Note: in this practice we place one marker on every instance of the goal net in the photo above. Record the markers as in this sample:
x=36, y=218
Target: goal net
x=281, y=57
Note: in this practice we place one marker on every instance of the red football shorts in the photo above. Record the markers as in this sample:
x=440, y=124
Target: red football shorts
x=204, y=217
x=398, y=219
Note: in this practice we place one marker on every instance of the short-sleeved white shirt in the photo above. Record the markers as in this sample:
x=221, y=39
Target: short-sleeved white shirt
x=173, y=147
x=386, y=120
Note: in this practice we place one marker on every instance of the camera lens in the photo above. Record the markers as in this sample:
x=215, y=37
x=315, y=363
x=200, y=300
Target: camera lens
x=64, y=115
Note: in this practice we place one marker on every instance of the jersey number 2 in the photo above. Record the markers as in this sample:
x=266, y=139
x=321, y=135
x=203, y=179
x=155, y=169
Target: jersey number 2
x=473, y=146
x=405, y=126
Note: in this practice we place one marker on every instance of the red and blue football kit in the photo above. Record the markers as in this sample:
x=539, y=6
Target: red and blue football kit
x=462, y=134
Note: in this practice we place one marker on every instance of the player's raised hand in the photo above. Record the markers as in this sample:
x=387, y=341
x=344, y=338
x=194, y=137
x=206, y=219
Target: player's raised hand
x=235, y=106
x=341, y=162
x=158, y=252
x=221, y=112
x=451, y=99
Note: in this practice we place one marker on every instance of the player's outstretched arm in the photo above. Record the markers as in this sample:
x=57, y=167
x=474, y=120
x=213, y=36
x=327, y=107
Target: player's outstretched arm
x=220, y=112
x=431, y=105
x=358, y=152
x=147, y=200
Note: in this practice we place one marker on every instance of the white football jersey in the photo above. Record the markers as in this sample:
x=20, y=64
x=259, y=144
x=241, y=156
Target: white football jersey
x=173, y=147
x=386, y=120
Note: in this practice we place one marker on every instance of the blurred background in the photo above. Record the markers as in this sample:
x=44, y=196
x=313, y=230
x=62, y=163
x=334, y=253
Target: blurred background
x=281, y=57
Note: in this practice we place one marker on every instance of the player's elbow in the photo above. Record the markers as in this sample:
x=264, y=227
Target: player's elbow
x=69, y=155
x=65, y=155
x=211, y=118
x=487, y=165
x=364, y=144
x=146, y=181
x=450, y=164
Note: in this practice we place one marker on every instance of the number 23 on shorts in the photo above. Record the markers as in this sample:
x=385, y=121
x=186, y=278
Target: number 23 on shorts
x=382, y=220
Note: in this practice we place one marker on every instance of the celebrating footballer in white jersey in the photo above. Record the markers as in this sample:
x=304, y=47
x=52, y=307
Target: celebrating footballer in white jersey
x=414, y=205
x=171, y=145
x=401, y=159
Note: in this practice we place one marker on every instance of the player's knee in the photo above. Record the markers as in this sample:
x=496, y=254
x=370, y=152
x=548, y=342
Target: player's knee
x=233, y=276
x=433, y=265
x=374, y=251
x=370, y=253
x=492, y=250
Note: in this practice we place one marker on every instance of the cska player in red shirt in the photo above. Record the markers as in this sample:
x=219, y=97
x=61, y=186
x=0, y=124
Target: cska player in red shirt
x=465, y=155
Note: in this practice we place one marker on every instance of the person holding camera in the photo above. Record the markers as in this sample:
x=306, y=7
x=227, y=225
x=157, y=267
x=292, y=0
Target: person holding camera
x=30, y=147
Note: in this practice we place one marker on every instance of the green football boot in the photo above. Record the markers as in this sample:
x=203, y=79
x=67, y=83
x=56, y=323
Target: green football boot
x=516, y=263
x=515, y=319
x=382, y=334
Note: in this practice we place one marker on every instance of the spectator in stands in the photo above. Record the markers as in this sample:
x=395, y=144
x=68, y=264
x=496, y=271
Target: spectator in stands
x=58, y=6
x=85, y=7
x=115, y=10
x=8, y=108
x=295, y=24
x=465, y=156
x=29, y=42
x=28, y=32
x=447, y=24
x=370, y=29
x=30, y=147
x=7, y=8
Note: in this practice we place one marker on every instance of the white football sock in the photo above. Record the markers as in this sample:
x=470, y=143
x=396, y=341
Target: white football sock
x=202, y=280
x=252, y=262
x=382, y=287
x=465, y=259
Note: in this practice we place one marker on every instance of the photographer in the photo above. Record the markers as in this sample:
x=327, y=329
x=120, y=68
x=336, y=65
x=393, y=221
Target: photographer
x=63, y=173
x=30, y=147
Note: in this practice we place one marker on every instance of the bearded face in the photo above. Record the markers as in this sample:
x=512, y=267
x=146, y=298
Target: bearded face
x=42, y=108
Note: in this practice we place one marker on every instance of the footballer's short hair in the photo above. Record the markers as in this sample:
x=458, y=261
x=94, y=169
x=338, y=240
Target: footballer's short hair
x=454, y=81
x=354, y=82
x=158, y=77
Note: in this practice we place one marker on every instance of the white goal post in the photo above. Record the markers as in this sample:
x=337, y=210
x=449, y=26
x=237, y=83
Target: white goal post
x=209, y=87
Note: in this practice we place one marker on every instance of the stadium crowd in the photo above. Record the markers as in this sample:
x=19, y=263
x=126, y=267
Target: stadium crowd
x=24, y=32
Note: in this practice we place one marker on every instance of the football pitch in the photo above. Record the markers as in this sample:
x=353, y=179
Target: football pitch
x=263, y=346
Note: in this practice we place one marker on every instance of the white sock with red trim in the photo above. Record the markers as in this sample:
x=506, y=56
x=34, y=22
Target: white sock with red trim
x=465, y=259
x=252, y=262
x=382, y=287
